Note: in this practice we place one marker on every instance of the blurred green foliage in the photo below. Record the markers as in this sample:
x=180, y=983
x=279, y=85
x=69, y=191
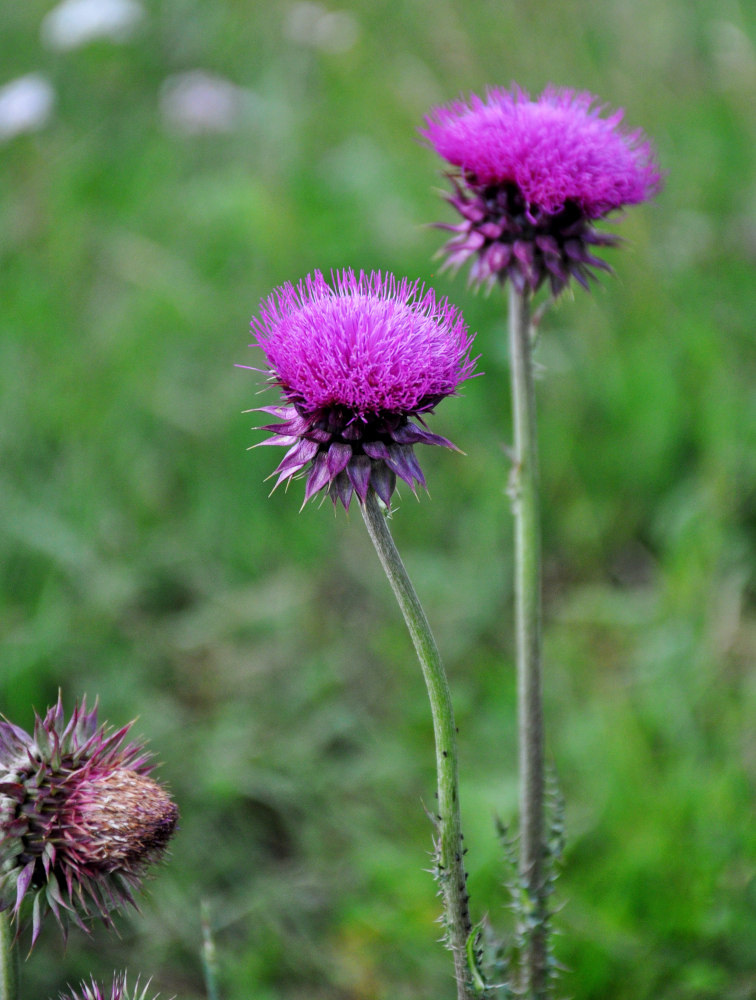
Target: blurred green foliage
x=142, y=560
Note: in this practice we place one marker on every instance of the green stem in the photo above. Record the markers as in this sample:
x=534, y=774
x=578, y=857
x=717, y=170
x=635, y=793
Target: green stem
x=8, y=960
x=451, y=871
x=209, y=955
x=525, y=506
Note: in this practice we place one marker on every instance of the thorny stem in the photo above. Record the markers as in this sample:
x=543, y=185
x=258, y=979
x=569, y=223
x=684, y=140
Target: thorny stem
x=8, y=960
x=525, y=507
x=451, y=870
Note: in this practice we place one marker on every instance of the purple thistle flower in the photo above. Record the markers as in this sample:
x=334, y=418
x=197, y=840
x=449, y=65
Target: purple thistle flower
x=358, y=363
x=118, y=991
x=530, y=180
x=80, y=821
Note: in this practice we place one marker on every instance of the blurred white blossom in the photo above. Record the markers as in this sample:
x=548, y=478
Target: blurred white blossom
x=75, y=22
x=310, y=23
x=197, y=102
x=26, y=104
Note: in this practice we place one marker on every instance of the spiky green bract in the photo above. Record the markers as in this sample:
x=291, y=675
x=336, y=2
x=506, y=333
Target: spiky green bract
x=119, y=990
x=358, y=362
x=80, y=820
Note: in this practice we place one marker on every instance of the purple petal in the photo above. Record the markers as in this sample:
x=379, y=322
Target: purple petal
x=23, y=883
x=498, y=256
x=471, y=210
x=473, y=242
x=283, y=440
x=383, y=481
x=281, y=412
x=556, y=268
x=299, y=456
x=358, y=471
x=341, y=489
x=338, y=456
x=548, y=246
x=319, y=475
x=403, y=462
x=376, y=449
x=581, y=276
x=523, y=251
x=412, y=434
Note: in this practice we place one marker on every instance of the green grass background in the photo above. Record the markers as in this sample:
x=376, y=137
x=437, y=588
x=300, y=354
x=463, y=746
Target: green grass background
x=141, y=559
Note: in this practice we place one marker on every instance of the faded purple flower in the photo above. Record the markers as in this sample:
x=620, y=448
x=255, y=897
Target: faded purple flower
x=530, y=179
x=80, y=820
x=118, y=991
x=358, y=362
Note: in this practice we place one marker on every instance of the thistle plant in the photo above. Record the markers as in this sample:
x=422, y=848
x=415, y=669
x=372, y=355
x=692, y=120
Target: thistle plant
x=360, y=363
x=530, y=179
x=81, y=822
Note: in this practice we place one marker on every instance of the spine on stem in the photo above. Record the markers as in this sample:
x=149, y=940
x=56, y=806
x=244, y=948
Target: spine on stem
x=451, y=871
x=525, y=506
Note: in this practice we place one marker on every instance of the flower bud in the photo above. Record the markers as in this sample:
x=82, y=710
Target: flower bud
x=80, y=820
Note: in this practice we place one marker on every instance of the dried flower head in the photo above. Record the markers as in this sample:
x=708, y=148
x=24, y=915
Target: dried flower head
x=80, y=820
x=358, y=363
x=530, y=179
x=118, y=991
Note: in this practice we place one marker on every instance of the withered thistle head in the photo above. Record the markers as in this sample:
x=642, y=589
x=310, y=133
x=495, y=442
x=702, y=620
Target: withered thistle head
x=80, y=820
x=531, y=178
x=118, y=991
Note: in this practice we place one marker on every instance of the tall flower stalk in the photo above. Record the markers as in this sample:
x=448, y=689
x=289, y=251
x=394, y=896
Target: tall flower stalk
x=359, y=363
x=449, y=851
x=530, y=178
x=524, y=494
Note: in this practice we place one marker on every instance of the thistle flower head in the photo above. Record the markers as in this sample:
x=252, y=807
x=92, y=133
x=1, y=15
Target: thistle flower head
x=531, y=177
x=358, y=362
x=118, y=991
x=80, y=820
